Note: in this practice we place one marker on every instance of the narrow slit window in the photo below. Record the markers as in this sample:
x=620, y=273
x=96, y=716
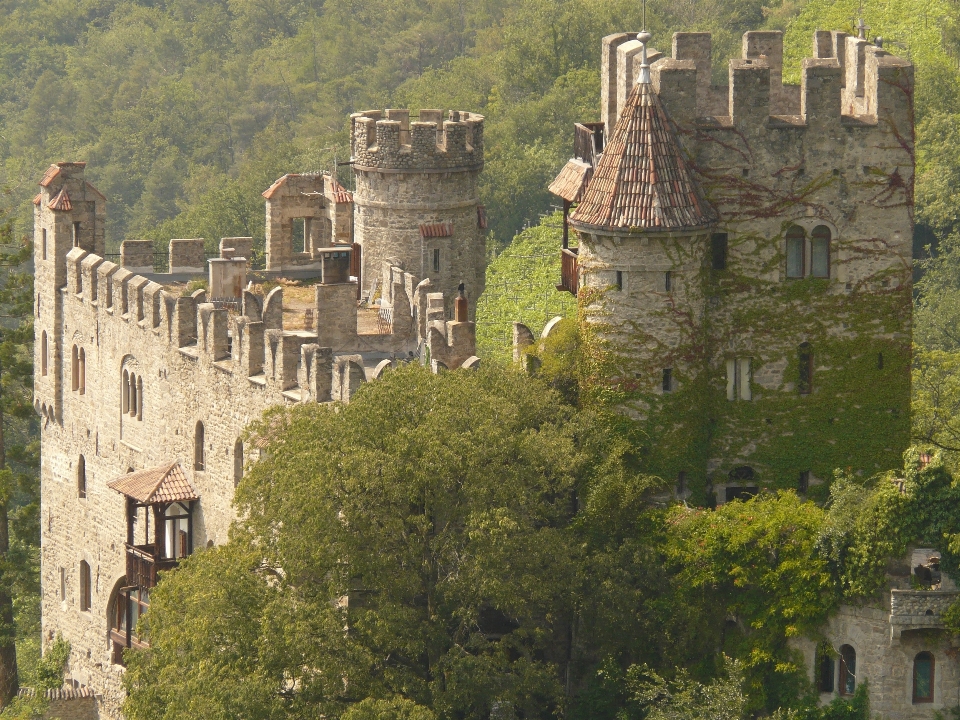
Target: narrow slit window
x=76, y=234
x=667, y=380
x=198, y=447
x=75, y=369
x=436, y=260
x=81, y=477
x=718, y=251
x=619, y=280
x=139, y=397
x=820, y=252
x=879, y=361
x=86, y=593
x=803, y=482
x=63, y=584
x=681, y=483
x=43, y=244
x=83, y=371
x=237, y=462
x=668, y=281
x=805, y=375
x=43, y=353
x=125, y=393
x=795, y=252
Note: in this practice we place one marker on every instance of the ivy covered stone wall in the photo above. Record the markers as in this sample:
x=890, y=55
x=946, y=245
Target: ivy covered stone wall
x=785, y=362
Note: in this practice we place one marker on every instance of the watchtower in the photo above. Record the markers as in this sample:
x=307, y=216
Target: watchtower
x=417, y=200
x=68, y=212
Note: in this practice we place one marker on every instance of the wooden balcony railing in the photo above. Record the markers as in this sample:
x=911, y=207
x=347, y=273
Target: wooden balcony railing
x=569, y=275
x=143, y=564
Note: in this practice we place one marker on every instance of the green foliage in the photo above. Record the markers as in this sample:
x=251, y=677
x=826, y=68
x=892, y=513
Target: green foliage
x=686, y=699
x=447, y=533
x=521, y=287
x=398, y=709
x=48, y=675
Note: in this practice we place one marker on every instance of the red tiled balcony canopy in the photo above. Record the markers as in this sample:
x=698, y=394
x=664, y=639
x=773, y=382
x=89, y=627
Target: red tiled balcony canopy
x=156, y=486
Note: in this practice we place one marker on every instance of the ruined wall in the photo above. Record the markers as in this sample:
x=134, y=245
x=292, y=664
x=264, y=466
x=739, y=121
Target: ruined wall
x=834, y=153
x=416, y=195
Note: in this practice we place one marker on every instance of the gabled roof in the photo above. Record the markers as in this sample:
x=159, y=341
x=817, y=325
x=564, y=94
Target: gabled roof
x=61, y=201
x=37, y=198
x=155, y=486
x=278, y=183
x=54, y=171
x=91, y=188
x=643, y=180
x=571, y=181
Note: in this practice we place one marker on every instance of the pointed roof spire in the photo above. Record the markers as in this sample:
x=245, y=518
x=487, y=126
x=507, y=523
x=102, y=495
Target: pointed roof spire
x=643, y=180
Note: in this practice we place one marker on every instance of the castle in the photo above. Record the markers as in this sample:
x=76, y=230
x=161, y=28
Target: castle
x=743, y=262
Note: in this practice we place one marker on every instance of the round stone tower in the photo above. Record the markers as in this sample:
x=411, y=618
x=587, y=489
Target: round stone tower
x=416, y=198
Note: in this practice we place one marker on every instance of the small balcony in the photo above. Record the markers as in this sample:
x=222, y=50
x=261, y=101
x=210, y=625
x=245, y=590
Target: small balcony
x=569, y=275
x=143, y=564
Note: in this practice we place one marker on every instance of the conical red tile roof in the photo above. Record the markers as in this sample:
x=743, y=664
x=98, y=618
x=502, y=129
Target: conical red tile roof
x=61, y=201
x=643, y=181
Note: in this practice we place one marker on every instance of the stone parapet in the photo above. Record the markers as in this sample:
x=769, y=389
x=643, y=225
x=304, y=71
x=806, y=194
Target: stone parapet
x=388, y=141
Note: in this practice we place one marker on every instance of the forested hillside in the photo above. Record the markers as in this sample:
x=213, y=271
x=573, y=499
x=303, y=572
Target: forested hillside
x=186, y=110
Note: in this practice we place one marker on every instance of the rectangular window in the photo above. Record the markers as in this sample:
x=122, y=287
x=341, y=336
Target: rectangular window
x=795, y=257
x=63, y=584
x=667, y=281
x=76, y=234
x=681, y=483
x=43, y=235
x=436, y=260
x=803, y=482
x=825, y=673
x=739, y=376
x=667, y=380
x=718, y=251
x=619, y=280
x=820, y=256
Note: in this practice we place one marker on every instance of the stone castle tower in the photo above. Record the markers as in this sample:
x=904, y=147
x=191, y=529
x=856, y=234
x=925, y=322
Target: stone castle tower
x=417, y=199
x=744, y=257
x=145, y=391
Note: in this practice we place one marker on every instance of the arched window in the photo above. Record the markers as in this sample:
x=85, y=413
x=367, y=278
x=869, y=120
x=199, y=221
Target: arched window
x=795, y=252
x=923, y=678
x=83, y=371
x=86, y=591
x=139, y=397
x=81, y=477
x=125, y=393
x=43, y=353
x=805, y=374
x=820, y=252
x=825, y=670
x=848, y=670
x=198, y=455
x=237, y=462
x=75, y=369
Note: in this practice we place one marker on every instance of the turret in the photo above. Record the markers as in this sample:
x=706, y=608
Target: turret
x=417, y=200
x=68, y=212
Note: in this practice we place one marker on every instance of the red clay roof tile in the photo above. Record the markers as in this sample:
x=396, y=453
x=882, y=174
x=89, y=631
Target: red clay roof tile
x=571, y=181
x=643, y=180
x=159, y=485
x=61, y=201
x=436, y=230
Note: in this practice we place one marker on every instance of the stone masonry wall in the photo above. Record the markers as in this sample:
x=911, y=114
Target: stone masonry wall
x=836, y=152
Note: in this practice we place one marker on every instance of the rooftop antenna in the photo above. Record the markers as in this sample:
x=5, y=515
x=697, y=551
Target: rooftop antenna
x=644, y=37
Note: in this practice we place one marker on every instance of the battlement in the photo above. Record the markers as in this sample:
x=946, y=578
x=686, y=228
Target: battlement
x=388, y=140
x=847, y=80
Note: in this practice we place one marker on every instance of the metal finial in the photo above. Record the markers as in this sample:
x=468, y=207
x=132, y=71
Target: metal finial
x=644, y=28
x=644, y=77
